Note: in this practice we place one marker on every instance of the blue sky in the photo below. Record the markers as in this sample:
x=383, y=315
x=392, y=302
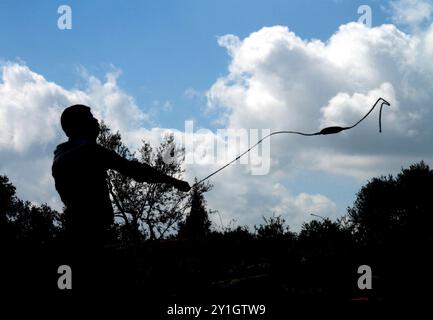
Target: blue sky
x=165, y=49
x=162, y=47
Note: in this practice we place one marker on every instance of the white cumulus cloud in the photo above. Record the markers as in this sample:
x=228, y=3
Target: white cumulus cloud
x=279, y=81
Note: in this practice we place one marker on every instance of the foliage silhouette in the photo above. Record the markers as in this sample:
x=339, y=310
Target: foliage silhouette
x=196, y=224
x=147, y=210
x=387, y=228
x=273, y=228
x=391, y=222
x=22, y=221
x=390, y=209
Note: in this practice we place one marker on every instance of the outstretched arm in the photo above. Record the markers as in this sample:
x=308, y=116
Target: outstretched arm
x=141, y=172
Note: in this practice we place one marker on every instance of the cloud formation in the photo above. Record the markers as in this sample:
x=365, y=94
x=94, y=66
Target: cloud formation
x=411, y=12
x=277, y=80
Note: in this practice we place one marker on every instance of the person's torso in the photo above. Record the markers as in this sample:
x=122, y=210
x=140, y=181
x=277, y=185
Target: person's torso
x=79, y=172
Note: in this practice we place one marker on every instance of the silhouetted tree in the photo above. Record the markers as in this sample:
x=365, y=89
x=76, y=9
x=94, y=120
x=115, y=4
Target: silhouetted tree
x=8, y=206
x=324, y=237
x=151, y=209
x=274, y=227
x=391, y=220
x=20, y=220
x=388, y=209
x=236, y=233
x=197, y=224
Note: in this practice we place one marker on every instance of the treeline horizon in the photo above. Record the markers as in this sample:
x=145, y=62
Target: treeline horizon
x=166, y=244
x=388, y=228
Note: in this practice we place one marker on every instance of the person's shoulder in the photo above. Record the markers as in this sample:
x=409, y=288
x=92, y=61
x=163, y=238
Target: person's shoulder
x=62, y=149
x=105, y=152
x=79, y=147
x=61, y=146
x=103, y=149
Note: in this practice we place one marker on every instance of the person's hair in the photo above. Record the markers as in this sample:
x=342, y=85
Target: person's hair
x=75, y=118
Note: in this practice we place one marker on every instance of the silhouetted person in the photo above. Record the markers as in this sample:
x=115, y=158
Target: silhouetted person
x=79, y=170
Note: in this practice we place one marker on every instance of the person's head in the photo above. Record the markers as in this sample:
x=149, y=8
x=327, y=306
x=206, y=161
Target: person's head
x=78, y=122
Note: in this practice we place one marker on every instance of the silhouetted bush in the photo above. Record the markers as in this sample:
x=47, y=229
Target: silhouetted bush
x=394, y=210
x=22, y=221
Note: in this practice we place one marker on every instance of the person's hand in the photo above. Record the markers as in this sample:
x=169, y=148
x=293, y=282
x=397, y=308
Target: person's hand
x=182, y=186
